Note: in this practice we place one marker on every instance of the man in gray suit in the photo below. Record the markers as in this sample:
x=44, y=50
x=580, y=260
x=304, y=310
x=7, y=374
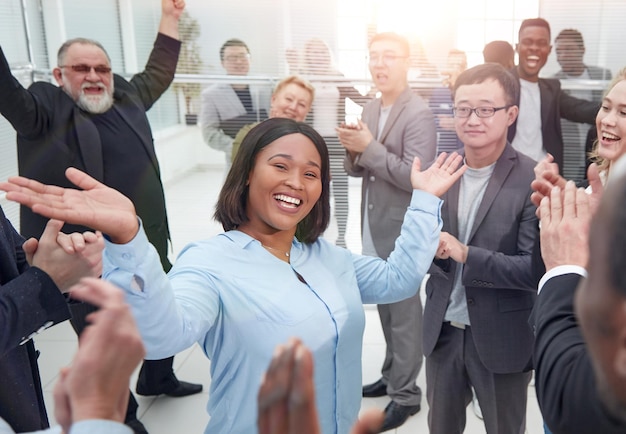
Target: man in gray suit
x=481, y=291
x=226, y=108
x=395, y=128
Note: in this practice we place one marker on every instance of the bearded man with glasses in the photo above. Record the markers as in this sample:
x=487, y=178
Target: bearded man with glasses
x=481, y=288
x=96, y=121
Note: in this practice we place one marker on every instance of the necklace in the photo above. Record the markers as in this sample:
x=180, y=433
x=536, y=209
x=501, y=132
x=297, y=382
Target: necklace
x=276, y=250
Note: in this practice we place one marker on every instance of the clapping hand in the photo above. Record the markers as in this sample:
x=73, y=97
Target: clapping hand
x=565, y=220
x=286, y=398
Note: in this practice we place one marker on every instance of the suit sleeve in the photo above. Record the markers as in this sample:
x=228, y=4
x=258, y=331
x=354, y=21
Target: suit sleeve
x=30, y=300
x=28, y=114
x=210, y=123
x=512, y=271
x=564, y=378
x=159, y=71
x=419, y=138
x=578, y=110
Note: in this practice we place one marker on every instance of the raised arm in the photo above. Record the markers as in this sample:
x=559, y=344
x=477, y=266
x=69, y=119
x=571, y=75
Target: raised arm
x=170, y=14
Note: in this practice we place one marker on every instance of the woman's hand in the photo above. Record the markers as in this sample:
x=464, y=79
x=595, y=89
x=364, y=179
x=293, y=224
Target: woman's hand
x=440, y=176
x=95, y=205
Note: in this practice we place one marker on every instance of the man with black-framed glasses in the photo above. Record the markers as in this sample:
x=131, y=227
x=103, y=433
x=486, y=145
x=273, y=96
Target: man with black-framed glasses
x=380, y=148
x=481, y=291
x=96, y=121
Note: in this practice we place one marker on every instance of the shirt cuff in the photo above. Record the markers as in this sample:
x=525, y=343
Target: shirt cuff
x=426, y=202
x=128, y=255
x=560, y=271
x=99, y=426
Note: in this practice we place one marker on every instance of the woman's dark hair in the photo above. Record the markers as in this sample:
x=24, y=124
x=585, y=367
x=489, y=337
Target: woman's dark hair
x=230, y=210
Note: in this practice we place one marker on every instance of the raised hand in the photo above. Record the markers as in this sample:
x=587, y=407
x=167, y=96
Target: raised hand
x=171, y=11
x=440, y=176
x=95, y=205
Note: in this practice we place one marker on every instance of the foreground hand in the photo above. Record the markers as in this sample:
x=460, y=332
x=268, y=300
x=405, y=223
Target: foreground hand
x=96, y=205
x=95, y=386
x=440, y=176
x=564, y=232
x=66, y=258
x=286, y=398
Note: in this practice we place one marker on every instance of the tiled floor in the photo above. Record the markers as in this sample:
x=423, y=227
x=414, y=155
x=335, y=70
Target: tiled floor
x=190, y=203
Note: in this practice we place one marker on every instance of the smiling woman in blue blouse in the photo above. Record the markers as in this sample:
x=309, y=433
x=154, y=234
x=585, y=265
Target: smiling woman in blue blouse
x=269, y=276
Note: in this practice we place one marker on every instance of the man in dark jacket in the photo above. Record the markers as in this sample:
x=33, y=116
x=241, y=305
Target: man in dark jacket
x=31, y=300
x=96, y=121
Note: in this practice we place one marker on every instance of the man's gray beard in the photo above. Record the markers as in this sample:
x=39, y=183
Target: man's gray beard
x=95, y=104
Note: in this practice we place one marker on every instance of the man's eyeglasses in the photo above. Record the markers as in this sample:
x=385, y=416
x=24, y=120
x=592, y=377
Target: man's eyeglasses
x=86, y=69
x=386, y=59
x=481, y=112
x=237, y=57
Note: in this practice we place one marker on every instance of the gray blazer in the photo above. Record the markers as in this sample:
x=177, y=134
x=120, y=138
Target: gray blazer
x=385, y=165
x=221, y=103
x=497, y=276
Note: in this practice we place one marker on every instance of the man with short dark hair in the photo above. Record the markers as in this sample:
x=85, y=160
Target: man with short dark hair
x=499, y=52
x=226, y=108
x=480, y=292
x=542, y=103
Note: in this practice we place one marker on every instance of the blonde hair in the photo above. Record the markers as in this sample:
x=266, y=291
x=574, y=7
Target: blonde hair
x=603, y=163
x=297, y=80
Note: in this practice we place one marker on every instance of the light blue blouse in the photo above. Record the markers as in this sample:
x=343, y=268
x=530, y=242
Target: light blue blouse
x=238, y=302
x=91, y=426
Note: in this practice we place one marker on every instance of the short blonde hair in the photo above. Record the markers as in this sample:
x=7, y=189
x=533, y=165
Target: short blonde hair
x=297, y=80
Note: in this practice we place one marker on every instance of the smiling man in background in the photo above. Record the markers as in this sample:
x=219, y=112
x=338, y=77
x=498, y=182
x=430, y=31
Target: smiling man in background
x=542, y=103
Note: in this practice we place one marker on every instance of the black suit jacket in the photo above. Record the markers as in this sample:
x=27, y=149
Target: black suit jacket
x=29, y=301
x=54, y=134
x=557, y=104
x=564, y=379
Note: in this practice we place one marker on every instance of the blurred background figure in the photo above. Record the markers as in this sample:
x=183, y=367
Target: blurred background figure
x=441, y=102
x=421, y=69
x=500, y=52
x=327, y=112
x=226, y=107
x=292, y=99
x=578, y=137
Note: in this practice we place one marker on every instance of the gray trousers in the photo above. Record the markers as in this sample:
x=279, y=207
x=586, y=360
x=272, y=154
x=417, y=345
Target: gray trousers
x=452, y=369
x=402, y=327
